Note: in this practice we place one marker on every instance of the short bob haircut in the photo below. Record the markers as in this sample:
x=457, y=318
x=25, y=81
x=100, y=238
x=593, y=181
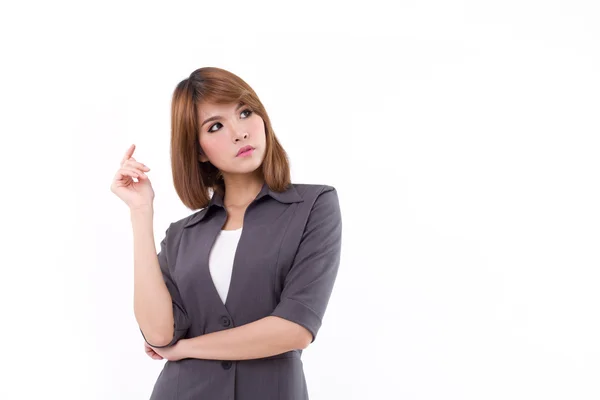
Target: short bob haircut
x=193, y=179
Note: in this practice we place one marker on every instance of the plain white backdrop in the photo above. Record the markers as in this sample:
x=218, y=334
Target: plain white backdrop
x=463, y=139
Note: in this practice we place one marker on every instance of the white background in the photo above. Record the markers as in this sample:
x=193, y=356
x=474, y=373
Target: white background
x=463, y=139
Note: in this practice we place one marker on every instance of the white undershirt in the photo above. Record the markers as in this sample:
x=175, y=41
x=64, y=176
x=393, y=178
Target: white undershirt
x=220, y=260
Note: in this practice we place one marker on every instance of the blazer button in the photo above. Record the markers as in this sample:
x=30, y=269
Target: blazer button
x=226, y=364
x=225, y=321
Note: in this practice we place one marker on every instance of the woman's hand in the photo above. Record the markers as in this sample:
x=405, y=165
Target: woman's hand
x=134, y=194
x=171, y=353
x=151, y=353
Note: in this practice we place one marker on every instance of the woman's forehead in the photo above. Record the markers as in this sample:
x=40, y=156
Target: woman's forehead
x=212, y=108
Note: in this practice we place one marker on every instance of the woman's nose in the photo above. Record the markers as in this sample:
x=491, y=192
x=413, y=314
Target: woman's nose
x=239, y=136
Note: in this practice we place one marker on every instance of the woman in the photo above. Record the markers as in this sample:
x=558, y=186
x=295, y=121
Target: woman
x=240, y=287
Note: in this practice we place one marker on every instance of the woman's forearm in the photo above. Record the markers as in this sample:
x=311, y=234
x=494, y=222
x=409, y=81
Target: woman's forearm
x=262, y=338
x=152, y=303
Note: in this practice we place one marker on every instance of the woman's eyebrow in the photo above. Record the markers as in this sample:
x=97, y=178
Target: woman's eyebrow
x=214, y=117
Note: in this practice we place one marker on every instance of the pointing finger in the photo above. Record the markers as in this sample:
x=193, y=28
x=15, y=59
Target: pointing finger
x=128, y=154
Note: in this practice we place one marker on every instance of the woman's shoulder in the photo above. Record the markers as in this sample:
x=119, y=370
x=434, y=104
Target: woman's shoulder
x=317, y=193
x=312, y=188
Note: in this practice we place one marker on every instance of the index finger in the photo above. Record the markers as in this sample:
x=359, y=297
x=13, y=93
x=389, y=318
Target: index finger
x=128, y=154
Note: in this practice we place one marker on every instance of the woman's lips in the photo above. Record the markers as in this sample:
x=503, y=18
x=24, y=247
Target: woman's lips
x=246, y=153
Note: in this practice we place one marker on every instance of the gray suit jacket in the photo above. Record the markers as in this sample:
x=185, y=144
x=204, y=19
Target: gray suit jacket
x=285, y=265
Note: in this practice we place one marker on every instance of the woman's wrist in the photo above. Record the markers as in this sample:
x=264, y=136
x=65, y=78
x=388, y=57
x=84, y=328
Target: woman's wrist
x=186, y=348
x=145, y=208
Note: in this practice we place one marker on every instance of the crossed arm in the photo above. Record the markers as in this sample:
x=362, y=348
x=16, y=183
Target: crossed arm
x=262, y=338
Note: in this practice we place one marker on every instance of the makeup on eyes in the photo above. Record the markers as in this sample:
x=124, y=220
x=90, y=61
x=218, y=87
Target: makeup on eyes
x=244, y=110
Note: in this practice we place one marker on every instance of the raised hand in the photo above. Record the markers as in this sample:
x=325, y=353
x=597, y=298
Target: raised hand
x=135, y=194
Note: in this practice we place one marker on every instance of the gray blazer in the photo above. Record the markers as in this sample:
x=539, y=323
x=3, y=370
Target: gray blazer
x=285, y=265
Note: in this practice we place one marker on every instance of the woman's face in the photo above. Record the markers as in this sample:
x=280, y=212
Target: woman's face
x=224, y=130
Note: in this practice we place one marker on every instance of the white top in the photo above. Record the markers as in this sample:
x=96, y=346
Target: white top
x=220, y=260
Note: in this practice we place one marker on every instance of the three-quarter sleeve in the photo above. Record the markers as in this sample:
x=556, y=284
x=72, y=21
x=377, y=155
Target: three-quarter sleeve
x=309, y=282
x=180, y=317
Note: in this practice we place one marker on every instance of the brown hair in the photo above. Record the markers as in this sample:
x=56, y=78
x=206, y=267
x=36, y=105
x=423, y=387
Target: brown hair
x=193, y=179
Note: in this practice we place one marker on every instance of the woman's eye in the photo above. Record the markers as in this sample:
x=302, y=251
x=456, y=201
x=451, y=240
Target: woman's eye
x=210, y=129
x=249, y=111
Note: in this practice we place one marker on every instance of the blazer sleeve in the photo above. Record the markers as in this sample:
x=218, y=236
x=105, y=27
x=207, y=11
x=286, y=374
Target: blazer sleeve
x=309, y=282
x=180, y=316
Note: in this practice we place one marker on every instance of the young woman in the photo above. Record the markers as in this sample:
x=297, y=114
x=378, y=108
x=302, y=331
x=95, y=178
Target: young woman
x=240, y=287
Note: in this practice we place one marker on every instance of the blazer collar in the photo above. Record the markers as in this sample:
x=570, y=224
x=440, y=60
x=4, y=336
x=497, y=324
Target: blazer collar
x=290, y=195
